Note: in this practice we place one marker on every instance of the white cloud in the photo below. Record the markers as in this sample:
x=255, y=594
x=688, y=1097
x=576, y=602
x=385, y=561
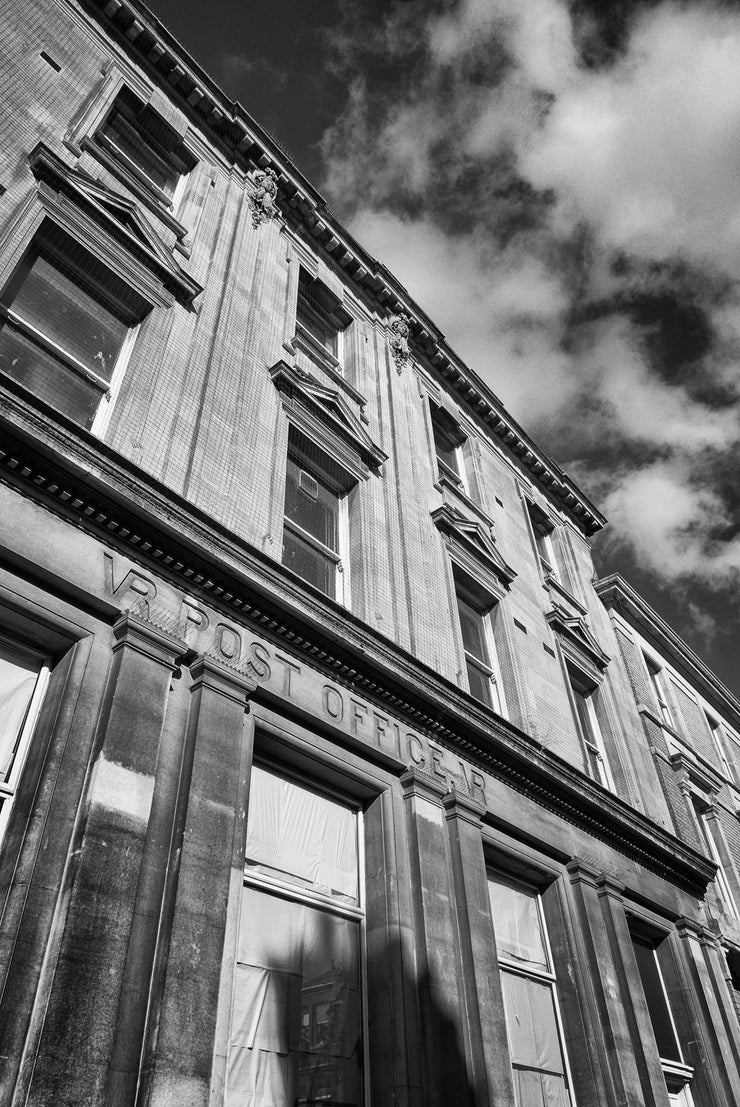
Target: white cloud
x=642, y=156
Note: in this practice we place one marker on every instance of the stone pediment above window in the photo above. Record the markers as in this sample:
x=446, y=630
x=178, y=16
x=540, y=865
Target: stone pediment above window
x=576, y=639
x=327, y=419
x=117, y=215
x=471, y=546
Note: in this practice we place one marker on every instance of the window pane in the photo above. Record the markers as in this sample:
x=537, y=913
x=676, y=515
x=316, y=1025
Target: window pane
x=516, y=921
x=48, y=378
x=309, y=563
x=134, y=143
x=540, y=1089
x=530, y=1020
x=316, y=311
x=445, y=447
x=479, y=683
x=296, y=1023
x=472, y=628
x=311, y=504
x=18, y=676
x=657, y=1004
x=57, y=306
x=301, y=835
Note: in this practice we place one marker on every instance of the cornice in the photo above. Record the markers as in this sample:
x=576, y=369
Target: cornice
x=614, y=591
x=77, y=477
x=233, y=131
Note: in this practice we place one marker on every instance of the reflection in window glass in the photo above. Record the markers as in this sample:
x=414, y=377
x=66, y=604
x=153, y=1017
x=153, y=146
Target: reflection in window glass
x=655, y=997
x=18, y=675
x=296, y=1027
x=530, y=1004
x=61, y=332
x=301, y=836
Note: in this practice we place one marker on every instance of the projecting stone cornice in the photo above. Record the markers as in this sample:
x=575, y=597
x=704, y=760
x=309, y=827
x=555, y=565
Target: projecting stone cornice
x=615, y=592
x=73, y=475
x=233, y=131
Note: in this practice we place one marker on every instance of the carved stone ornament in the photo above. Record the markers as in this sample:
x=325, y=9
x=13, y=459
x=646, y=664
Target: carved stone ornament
x=399, y=340
x=263, y=198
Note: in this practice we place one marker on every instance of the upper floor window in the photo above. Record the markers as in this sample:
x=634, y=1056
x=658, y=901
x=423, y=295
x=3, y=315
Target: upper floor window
x=701, y=811
x=719, y=739
x=297, y=1031
x=67, y=325
x=315, y=526
x=657, y=682
x=320, y=315
x=528, y=983
x=475, y=614
x=448, y=445
x=23, y=677
x=146, y=146
x=583, y=695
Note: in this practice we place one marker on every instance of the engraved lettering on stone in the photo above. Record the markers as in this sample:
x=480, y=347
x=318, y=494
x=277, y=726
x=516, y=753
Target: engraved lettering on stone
x=143, y=588
x=289, y=668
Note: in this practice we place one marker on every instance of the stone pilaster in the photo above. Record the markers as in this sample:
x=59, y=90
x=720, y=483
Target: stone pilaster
x=438, y=964
x=712, y=1023
x=210, y=841
x=611, y=970
x=74, y=1053
x=483, y=1012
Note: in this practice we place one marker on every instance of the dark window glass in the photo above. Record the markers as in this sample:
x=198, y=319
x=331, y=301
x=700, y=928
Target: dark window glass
x=143, y=141
x=309, y=562
x=655, y=997
x=74, y=319
x=480, y=683
x=311, y=504
x=446, y=448
x=138, y=148
x=473, y=634
x=318, y=312
x=58, y=331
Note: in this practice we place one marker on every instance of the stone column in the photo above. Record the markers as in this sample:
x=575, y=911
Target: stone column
x=211, y=840
x=80, y=1025
x=438, y=966
x=712, y=1023
x=480, y=982
x=631, y=1064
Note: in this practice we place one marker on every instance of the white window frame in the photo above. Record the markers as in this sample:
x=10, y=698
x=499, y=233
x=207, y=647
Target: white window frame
x=700, y=808
x=718, y=738
x=9, y=787
x=490, y=669
x=458, y=478
x=657, y=676
x=273, y=885
x=335, y=359
x=593, y=742
x=549, y=976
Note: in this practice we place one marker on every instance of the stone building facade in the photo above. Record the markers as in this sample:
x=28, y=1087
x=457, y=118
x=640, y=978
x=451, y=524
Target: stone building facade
x=328, y=774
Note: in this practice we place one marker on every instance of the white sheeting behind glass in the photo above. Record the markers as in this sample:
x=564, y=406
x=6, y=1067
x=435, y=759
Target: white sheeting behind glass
x=296, y=833
x=296, y=1030
x=516, y=921
x=18, y=676
x=534, y=1042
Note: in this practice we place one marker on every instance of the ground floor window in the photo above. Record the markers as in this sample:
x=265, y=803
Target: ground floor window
x=23, y=676
x=296, y=1027
x=530, y=999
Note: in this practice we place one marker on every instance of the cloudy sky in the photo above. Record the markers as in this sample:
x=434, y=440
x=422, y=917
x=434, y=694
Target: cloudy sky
x=557, y=183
